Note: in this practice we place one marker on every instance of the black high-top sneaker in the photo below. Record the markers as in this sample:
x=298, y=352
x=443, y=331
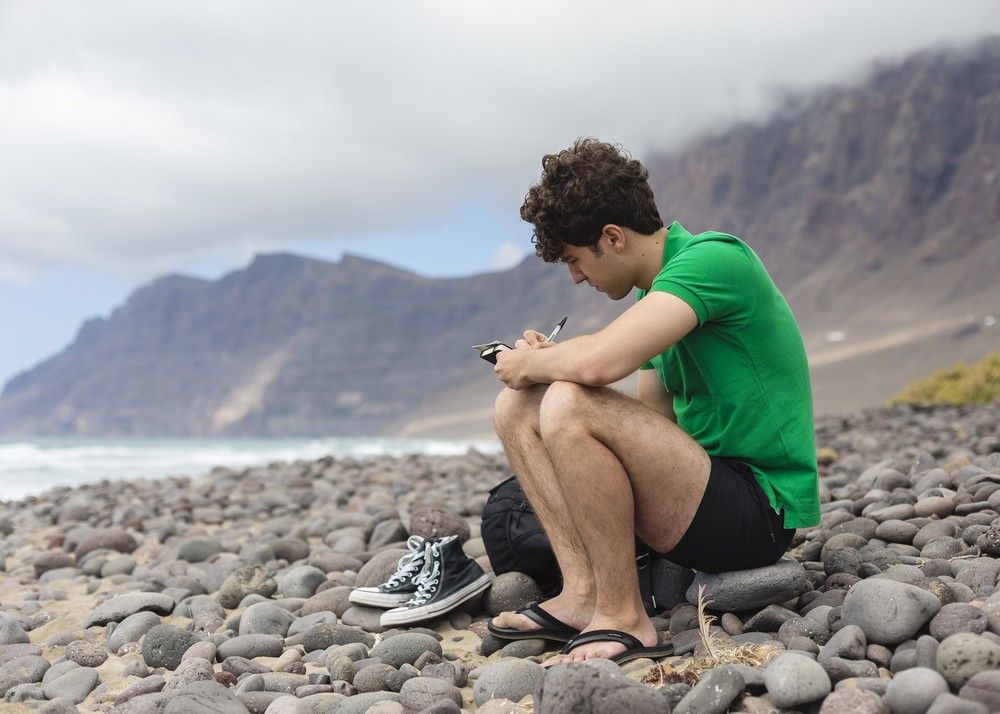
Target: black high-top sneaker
x=401, y=585
x=448, y=579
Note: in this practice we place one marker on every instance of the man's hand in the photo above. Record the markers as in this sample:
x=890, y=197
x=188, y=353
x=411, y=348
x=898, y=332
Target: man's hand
x=511, y=366
x=533, y=339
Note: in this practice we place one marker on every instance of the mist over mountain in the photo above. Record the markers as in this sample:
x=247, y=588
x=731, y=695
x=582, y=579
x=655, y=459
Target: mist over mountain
x=876, y=208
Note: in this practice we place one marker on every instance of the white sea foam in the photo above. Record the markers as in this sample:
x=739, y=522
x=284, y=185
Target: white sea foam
x=31, y=466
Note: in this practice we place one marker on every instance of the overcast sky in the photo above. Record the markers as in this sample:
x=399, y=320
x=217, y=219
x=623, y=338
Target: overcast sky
x=138, y=138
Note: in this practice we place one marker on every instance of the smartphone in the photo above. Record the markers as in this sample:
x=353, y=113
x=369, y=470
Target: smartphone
x=489, y=351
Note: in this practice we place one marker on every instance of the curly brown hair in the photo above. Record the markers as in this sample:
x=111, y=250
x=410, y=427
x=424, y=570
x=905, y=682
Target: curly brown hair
x=584, y=188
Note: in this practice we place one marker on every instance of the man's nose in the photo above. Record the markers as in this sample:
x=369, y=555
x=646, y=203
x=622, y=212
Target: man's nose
x=576, y=274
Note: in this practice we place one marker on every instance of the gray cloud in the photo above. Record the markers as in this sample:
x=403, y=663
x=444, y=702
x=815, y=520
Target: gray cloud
x=137, y=136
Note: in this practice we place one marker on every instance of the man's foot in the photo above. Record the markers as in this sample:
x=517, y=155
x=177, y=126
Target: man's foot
x=612, y=648
x=575, y=613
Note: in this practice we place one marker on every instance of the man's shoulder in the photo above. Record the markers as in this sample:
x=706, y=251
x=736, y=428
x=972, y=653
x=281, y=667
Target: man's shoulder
x=721, y=253
x=717, y=239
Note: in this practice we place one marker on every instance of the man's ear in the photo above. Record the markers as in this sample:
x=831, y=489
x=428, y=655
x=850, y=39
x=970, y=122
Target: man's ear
x=614, y=237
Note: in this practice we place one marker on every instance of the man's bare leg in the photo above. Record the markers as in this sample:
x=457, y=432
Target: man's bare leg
x=518, y=427
x=623, y=468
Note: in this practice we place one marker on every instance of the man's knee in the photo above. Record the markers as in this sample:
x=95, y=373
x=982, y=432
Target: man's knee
x=515, y=408
x=564, y=406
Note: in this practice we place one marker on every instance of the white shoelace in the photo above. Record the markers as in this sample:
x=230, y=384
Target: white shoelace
x=427, y=581
x=408, y=564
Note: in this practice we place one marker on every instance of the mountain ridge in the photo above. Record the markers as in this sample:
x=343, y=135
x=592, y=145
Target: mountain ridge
x=875, y=208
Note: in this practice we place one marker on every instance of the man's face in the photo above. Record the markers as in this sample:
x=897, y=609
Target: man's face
x=601, y=269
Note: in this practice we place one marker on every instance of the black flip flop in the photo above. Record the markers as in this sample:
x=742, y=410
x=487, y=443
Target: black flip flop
x=634, y=649
x=552, y=627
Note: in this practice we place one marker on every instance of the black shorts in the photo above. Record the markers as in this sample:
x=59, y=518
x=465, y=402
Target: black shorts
x=735, y=527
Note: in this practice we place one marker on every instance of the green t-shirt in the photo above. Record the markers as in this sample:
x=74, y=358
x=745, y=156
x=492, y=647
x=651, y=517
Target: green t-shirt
x=740, y=380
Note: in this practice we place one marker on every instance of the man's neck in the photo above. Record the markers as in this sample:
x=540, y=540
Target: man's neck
x=649, y=258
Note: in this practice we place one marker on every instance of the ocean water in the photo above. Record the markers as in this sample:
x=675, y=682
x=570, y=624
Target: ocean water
x=30, y=466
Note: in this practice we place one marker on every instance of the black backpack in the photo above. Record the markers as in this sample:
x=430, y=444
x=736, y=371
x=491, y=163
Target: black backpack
x=516, y=542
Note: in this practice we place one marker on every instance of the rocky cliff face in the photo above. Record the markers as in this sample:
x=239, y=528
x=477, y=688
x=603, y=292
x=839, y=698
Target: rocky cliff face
x=861, y=193
x=288, y=345
x=876, y=208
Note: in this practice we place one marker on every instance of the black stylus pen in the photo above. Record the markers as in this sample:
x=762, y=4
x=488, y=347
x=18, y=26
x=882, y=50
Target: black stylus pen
x=558, y=328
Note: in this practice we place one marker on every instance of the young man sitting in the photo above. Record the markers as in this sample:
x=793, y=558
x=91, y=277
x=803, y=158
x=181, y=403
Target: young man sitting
x=714, y=466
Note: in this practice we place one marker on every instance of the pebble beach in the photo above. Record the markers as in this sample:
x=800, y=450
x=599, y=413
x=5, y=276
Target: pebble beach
x=228, y=592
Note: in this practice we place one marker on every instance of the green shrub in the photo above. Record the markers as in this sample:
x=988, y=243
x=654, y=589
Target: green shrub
x=961, y=384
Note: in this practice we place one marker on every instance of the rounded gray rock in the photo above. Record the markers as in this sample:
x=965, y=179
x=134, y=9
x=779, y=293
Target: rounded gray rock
x=405, y=648
x=321, y=637
x=331, y=562
x=75, y=684
x=935, y=529
x=265, y=618
x=290, y=549
x=132, y=628
x=509, y=592
x=989, y=542
x=438, y=523
x=122, y=565
x=751, y=589
x=205, y=696
x=372, y=677
x=849, y=641
x=52, y=560
x=896, y=531
x=188, y=672
x=914, y=690
x=205, y=650
x=252, y=580
x=11, y=633
x=948, y=703
x=507, y=679
x=582, y=689
x=524, y=648
x=86, y=654
x=250, y=646
x=419, y=693
x=25, y=693
x=793, y=679
x=367, y=618
x=944, y=547
x=108, y=538
x=853, y=701
x=341, y=668
x=302, y=624
x=842, y=560
x=164, y=645
x=983, y=688
x=135, y=668
x=963, y=655
x=300, y=581
x=958, y=617
x=888, y=611
x=121, y=606
x=198, y=550
x=360, y=703
x=714, y=692
x=22, y=670
x=58, y=669
x=146, y=685
x=332, y=600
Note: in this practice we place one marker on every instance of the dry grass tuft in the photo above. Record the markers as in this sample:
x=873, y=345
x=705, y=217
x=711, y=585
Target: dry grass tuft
x=720, y=652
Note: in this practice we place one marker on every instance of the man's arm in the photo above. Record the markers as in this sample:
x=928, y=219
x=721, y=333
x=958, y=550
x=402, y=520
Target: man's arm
x=647, y=328
x=654, y=395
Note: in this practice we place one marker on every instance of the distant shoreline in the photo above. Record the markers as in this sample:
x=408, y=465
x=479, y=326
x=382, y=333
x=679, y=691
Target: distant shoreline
x=33, y=465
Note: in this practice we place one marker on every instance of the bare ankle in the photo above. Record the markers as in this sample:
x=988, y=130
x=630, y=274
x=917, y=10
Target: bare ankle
x=628, y=619
x=578, y=592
